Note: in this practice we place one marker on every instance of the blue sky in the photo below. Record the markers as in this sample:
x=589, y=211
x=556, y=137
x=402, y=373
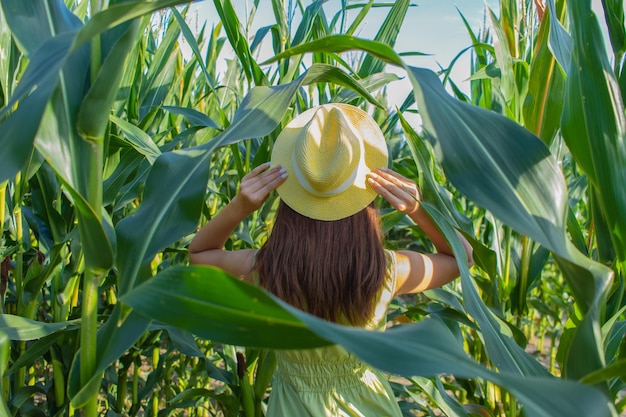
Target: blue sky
x=431, y=26
x=434, y=27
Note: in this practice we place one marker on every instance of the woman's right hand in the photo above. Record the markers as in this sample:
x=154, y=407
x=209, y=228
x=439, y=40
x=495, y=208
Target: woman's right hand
x=402, y=193
x=257, y=185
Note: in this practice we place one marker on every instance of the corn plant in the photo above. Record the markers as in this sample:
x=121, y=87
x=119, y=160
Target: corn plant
x=115, y=146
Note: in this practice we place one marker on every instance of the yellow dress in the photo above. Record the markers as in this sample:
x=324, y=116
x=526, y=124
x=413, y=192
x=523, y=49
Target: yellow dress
x=330, y=381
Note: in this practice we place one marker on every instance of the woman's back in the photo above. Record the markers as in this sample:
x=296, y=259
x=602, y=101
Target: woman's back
x=330, y=381
x=334, y=270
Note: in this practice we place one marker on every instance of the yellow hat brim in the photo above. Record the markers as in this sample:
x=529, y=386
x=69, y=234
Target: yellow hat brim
x=358, y=195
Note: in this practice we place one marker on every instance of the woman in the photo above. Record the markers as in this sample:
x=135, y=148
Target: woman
x=325, y=253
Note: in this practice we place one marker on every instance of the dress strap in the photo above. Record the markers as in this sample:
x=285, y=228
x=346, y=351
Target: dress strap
x=255, y=272
x=391, y=281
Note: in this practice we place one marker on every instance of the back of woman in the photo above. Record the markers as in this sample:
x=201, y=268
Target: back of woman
x=330, y=381
x=325, y=253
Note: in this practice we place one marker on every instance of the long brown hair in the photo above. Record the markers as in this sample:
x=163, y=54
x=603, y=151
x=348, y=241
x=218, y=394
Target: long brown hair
x=332, y=269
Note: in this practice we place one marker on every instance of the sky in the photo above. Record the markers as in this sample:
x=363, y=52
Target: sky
x=434, y=27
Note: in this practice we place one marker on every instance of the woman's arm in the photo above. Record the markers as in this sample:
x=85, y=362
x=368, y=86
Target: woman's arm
x=415, y=271
x=207, y=247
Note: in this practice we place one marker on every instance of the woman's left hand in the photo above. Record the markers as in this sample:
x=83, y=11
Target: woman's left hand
x=402, y=193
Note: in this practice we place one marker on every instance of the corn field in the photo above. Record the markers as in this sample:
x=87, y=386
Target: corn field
x=115, y=146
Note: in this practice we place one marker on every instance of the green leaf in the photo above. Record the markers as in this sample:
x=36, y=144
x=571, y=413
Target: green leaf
x=231, y=321
x=594, y=128
x=371, y=84
x=193, y=44
x=308, y=18
x=5, y=349
x=99, y=241
x=387, y=35
x=209, y=303
x=57, y=140
x=8, y=65
x=18, y=126
x=503, y=168
x=510, y=172
x=37, y=349
x=342, y=43
x=481, y=163
x=431, y=190
x=53, y=17
x=186, y=344
x=122, y=329
x=560, y=41
x=160, y=77
x=34, y=285
x=49, y=17
x=504, y=60
x=614, y=15
x=503, y=351
x=20, y=328
x=194, y=116
x=118, y=14
x=365, y=8
x=616, y=369
x=138, y=139
x=232, y=26
x=96, y=106
x=25, y=394
x=593, y=122
x=116, y=188
x=546, y=87
x=361, y=88
x=438, y=395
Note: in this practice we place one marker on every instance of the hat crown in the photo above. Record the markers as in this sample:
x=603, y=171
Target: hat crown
x=327, y=153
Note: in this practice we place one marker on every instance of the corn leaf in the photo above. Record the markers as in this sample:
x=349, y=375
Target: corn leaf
x=5, y=349
x=18, y=127
x=232, y=26
x=476, y=152
x=160, y=77
x=231, y=322
x=138, y=139
x=37, y=349
x=560, y=41
x=117, y=14
x=24, y=16
x=342, y=43
x=386, y=35
x=308, y=18
x=215, y=306
x=37, y=98
x=93, y=115
x=544, y=102
x=20, y=328
x=193, y=44
x=593, y=123
x=507, y=170
x=502, y=348
x=121, y=331
x=504, y=60
x=594, y=128
x=614, y=15
x=194, y=117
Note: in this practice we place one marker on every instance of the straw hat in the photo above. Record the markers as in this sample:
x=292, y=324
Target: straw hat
x=327, y=152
